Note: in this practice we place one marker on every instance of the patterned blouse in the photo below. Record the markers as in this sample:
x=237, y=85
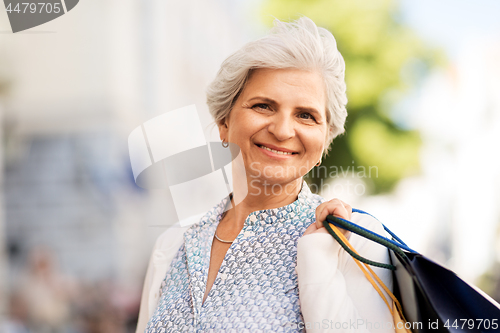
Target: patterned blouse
x=256, y=288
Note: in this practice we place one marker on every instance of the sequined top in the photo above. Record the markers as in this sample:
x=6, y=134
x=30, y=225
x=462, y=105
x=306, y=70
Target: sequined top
x=256, y=288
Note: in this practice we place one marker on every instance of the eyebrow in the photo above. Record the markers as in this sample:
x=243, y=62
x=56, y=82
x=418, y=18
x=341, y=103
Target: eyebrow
x=300, y=108
x=264, y=99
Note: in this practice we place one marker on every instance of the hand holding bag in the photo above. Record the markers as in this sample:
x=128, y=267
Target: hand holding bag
x=433, y=298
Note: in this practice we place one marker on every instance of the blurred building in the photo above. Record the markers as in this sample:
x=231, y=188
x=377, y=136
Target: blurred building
x=77, y=86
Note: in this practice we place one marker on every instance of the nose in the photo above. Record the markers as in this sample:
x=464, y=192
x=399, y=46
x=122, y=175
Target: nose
x=282, y=126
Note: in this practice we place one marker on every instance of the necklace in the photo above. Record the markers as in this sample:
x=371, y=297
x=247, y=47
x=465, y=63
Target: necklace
x=223, y=215
x=221, y=240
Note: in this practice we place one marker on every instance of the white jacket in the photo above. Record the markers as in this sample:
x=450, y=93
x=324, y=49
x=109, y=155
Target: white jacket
x=334, y=294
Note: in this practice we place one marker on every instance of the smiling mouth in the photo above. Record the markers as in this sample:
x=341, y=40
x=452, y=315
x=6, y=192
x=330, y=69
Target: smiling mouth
x=279, y=152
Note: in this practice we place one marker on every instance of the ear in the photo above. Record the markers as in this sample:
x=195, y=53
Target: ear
x=223, y=129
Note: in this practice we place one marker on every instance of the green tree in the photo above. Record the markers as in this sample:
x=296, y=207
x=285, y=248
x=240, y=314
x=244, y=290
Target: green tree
x=384, y=61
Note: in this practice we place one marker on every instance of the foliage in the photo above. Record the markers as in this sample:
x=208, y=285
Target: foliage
x=384, y=61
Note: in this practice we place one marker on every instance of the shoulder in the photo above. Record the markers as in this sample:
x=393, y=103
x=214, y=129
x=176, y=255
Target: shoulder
x=311, y=201
x=175, y=233
x=367, y=221
x=365, y=247
x=169, y=237
x=359, y=217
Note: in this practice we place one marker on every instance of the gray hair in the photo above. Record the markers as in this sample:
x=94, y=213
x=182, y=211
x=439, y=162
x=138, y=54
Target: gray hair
x=299, y=44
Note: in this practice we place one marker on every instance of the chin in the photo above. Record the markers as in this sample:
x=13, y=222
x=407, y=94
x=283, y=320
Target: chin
x=269, y=181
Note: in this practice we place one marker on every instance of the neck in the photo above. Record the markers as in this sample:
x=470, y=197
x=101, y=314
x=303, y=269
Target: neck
x=261, y=195
x=252, y=194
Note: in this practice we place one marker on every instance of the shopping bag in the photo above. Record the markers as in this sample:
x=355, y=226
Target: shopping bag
x=393, y=304
x=433, y=298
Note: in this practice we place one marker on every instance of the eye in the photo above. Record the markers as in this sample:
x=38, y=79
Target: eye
x=261, y=106
x=306, y=116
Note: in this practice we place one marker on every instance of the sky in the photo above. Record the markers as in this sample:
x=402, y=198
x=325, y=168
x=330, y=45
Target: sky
x=450, y=23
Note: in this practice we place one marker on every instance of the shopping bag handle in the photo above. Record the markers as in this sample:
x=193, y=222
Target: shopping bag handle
x=355, y=210
x=326, y=223
x=395, y=244
x=357, y=229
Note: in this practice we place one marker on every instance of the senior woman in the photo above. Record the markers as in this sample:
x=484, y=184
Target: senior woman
x=267, y=264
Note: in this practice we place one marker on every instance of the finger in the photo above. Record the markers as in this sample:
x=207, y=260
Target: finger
x=348, y=208
x=319, y=214
x=322, y=211
x=319, y=209
x=332, y=207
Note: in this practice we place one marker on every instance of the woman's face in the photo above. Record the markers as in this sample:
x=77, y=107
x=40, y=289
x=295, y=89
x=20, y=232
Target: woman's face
x=279, y=123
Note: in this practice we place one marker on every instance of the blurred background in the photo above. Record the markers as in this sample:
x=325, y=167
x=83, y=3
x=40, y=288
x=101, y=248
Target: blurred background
x=420, y=150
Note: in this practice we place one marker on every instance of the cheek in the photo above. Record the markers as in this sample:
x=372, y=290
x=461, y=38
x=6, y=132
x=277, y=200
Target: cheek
x=247, y=126
x=314, y=140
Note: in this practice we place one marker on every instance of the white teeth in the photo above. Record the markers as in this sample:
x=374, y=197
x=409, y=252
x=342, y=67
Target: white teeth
x=276, y=151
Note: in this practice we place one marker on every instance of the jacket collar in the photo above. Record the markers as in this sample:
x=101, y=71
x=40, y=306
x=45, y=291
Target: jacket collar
x=214, y=215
